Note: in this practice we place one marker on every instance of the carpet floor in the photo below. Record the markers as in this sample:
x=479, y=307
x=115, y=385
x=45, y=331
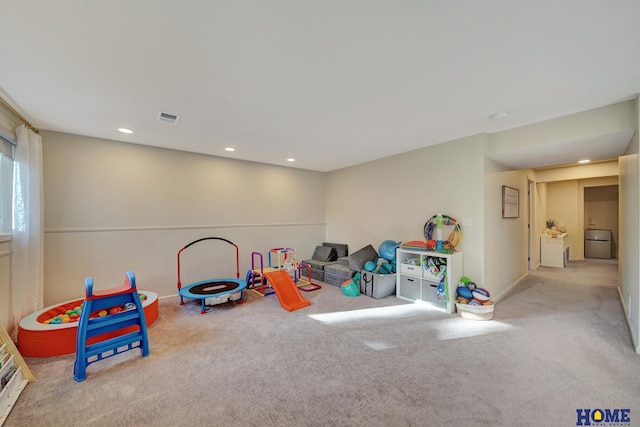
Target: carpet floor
x=558, y=343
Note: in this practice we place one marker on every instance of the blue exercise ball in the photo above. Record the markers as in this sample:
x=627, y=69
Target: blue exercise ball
x=370, y=266
x=387, y=249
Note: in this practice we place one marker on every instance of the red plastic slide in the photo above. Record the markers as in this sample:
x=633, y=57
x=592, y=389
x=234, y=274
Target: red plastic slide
x=288, y=293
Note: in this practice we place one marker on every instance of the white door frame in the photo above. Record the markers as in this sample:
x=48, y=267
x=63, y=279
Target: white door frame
x=531, y=225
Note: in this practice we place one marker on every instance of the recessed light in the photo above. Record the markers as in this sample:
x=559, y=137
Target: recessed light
x=125, y=130
x=291, y=159
x=229, y=149
x=584, y=161
x=499, y=115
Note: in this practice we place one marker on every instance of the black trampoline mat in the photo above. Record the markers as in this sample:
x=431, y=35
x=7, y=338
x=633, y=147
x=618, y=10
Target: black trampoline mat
x=212, y=288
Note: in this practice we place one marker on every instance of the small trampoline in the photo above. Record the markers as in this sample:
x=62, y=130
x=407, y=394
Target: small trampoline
x=212, y=291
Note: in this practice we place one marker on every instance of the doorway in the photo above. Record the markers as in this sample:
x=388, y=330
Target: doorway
x=601, y=213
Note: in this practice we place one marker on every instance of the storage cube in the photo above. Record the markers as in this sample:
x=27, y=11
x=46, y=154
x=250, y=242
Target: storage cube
x=429, y=290
x=409, y=288
x=420, y=272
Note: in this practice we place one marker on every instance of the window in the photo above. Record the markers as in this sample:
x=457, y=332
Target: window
x=6, y=193
x=9, y=121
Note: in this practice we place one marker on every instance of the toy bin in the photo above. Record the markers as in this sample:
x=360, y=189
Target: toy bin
x=377, y=285
x=475, y=312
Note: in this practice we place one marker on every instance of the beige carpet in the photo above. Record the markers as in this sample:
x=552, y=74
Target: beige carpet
x=558, y=343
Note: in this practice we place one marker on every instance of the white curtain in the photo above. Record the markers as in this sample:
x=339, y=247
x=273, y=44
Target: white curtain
x=27, y=245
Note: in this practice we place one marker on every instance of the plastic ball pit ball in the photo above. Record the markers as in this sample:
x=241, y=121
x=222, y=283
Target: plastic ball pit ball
x=65, y=316
x=73, y=315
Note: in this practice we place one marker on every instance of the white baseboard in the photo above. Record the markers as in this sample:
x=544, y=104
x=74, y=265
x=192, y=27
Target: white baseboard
x=509, y=289
x=625, y=309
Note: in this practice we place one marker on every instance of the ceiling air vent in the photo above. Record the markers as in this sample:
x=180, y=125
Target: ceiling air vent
x=165, y=117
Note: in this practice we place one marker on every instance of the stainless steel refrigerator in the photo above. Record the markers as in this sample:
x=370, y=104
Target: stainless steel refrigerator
x=597, y=243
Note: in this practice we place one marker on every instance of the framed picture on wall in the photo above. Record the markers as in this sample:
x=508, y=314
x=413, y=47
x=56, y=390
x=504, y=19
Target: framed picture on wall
x=510, y=202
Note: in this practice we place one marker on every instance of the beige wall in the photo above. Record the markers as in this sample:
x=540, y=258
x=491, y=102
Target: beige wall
x=505, y=248
x=603, y=169
x=562, y=205
x=112, y=207
x=542, y=215
x=601, y=207
x=629, y=242
x=392, y=198
x=628, y=266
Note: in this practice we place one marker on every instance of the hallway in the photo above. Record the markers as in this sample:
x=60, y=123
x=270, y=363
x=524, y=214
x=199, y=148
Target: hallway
x=591, y=271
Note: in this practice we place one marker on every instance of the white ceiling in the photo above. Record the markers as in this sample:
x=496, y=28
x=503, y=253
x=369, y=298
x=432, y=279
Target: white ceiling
x=331, y=83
